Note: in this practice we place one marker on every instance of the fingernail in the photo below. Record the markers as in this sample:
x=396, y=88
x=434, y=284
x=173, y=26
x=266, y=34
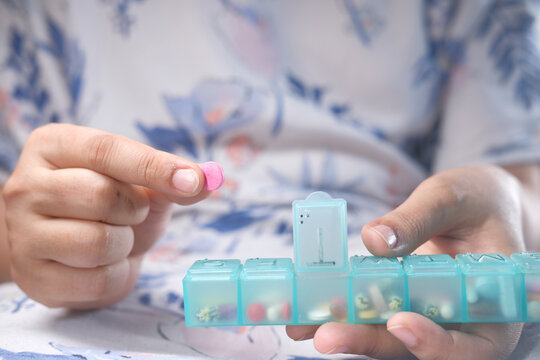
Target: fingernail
x=387, y=234
x=338, y=350
x=403, y=334
x=185, y=180
x=213, y=174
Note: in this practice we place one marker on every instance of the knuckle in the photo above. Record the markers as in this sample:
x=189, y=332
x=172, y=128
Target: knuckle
x=101, y=283
x=43, y=133
x=413, y=225
x=147, y=168
x=447, y=193
x=97, y=245
x=34, y=286
x=104, y=194
x=15, y=187
x=57, y=133
x=137, y=205
x=100, y=147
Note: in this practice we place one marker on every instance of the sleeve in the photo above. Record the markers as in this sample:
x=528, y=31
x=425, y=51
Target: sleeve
x=491, y=112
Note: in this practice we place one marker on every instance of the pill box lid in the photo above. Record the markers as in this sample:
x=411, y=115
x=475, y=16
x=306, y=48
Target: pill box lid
x=214, y=269
x=320, y=234
x=486, y=263
x=275, y=268
x=361, y=265
x=528, y=262
x=430, y=265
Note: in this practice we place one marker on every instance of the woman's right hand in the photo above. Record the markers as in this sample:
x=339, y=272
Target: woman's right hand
x=82, y=208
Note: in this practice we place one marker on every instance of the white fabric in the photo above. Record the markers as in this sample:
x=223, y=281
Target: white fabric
x=361, y=99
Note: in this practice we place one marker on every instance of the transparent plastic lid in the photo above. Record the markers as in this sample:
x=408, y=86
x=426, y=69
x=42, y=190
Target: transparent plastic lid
x=268, y=268
x=320, y=233
x=209, y=269
x=429, y=264
x=498, y=263
x=528, y=262
x=374, y=264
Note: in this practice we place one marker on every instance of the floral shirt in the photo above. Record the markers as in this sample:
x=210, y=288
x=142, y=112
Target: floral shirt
x=362, y=99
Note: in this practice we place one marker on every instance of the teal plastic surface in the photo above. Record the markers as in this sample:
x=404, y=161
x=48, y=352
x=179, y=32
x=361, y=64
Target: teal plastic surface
x=529, y=266
x=493, y=284
x=320, y=234
x=324, y=285
x=211, y=293
x=435, y=287
x=378, y=289
x=267, y=291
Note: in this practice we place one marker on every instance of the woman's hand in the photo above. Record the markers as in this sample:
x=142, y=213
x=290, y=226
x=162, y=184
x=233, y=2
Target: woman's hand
x=476, y=209
x=83, y=206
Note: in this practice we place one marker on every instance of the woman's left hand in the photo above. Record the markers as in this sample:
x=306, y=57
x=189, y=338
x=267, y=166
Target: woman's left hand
x=473, y=209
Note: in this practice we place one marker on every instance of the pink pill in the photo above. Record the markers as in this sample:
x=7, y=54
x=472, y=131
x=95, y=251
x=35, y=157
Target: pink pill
x=256, y=312
x=213, y=174
x=286, y=310
x=338, y=308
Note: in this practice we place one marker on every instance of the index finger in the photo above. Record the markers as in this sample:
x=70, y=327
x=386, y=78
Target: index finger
x=70, y=146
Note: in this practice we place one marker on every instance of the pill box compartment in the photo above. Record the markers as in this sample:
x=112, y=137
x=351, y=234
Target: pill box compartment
x=529, y=264
x=434, y=287
x=377, y=289
x=211, y=293
x=493, y=287
x=266, y=287
x=322, y=297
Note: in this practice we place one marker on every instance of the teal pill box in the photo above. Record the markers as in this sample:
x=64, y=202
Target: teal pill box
x=211, y=293
x=378, y=289
x=493, y=287
x=323, y=284
x=267, y=291
x=435, y=287
x=529, y=265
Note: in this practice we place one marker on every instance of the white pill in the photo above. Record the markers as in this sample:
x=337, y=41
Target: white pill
x=273, y=313
x=447, y=310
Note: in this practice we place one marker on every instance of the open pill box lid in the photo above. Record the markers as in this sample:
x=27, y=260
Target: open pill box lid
x=214, y=270
x=486, y=263
x=320, y=234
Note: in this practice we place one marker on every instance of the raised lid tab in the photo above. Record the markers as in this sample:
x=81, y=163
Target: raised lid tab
x=528, y=262
x=281, y=267
x=320, y=233
x=485, y=262
x=426, y=264
x=221, y=268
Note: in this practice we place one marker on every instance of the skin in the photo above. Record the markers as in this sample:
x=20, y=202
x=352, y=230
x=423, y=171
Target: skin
x=110, y=199
x=84, y=206
x=476, y=209
x=4, y=249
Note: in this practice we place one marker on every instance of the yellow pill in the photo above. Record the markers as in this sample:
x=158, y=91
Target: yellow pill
x=368, y=314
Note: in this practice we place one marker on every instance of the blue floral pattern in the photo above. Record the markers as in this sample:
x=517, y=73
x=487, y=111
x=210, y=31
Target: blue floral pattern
x=122, y=17
x=514, y=50
x=213, y=109
x=246, y=99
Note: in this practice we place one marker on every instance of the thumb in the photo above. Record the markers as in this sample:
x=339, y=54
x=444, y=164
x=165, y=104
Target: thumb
x=434, y=208
x=428, y=340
